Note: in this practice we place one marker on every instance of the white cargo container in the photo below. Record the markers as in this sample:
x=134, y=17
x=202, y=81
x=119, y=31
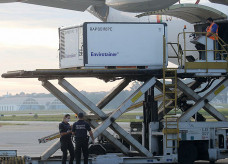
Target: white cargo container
x=113, y=44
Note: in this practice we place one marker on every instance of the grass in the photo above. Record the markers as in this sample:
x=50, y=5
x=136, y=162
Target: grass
x=47, y=111
x=4, y=123
x=128, y=120
x=32, y=118
x=124, y=118
x=127, y=117
x=222, y=110
x=34, y=111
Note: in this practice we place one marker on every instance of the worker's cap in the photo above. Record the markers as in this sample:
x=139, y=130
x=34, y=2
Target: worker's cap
x=80, y=115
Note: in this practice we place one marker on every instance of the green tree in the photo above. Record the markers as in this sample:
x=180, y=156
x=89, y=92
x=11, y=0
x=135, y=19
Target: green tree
x=35, y=116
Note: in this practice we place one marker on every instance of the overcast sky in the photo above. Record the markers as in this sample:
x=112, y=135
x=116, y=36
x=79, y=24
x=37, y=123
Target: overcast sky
x=29, y=40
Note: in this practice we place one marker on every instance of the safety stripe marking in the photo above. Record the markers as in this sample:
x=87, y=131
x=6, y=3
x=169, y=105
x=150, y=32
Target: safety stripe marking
x=137, y=96
x=219, y=89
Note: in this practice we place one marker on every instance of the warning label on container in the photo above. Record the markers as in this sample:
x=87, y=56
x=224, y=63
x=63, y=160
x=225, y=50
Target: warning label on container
x=205, y=133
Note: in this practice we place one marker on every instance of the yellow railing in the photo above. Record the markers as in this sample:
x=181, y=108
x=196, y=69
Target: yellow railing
x=182, y=53
x=13, y=160
x=170, y=94
x=172, y=128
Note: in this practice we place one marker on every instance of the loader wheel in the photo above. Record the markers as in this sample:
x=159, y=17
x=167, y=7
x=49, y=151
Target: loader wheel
x=187, y=153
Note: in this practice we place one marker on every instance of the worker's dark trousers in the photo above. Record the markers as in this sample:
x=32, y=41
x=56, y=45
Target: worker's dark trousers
x=81, y=144
x=64, y=147
x=216, y=47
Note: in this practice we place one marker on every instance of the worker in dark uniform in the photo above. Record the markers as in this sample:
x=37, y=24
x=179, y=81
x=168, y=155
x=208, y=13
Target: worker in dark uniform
x=80, y=129
x=65, y=139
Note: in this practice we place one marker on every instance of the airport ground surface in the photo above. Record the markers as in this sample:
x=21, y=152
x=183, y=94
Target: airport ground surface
x=23, y=136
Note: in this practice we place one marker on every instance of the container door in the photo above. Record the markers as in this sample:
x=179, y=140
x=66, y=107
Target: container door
x=80, y=42
x=70, y=48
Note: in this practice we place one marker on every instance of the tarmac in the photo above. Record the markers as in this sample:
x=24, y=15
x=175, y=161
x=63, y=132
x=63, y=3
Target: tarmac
x=24, y=138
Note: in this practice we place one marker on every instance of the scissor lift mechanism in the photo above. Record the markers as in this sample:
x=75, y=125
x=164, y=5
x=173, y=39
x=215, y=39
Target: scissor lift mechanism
x=150, y=79
x=170, y=94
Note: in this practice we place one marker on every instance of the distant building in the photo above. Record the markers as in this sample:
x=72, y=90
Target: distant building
x=56, y=104
x=28, y=103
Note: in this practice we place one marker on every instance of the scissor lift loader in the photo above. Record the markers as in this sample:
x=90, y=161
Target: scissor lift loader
x=174, y=131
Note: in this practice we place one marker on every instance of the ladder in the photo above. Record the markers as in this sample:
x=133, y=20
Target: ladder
x=171, y=129
x=170, y=90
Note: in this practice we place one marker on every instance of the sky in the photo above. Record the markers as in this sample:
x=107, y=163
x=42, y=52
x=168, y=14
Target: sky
x=29, y=41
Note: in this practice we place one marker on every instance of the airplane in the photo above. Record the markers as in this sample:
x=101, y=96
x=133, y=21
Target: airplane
x=126, y=10
x=122, y=5
x=224, y=2
x=103, y=9
x=174, y=14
